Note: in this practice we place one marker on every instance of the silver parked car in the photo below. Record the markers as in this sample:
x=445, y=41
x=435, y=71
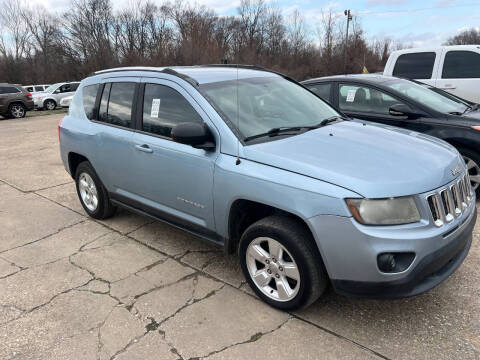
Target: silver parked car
x=36, y=88
x=51, y=97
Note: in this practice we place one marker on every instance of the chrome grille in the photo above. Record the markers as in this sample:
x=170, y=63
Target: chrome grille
x=449, y=202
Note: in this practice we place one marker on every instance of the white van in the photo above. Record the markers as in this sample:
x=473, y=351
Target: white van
x=455, y=69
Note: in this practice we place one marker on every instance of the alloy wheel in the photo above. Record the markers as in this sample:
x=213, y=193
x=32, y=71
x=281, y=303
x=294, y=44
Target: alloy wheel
x=273, y=269
x=473, y=171
x=17, y=111
x=88, y=191
x=50, y=105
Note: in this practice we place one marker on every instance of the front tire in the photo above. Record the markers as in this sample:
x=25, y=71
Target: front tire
x=49, y=105
x=91, y=192
x=281, y=263
x=16, y=111
x=472, y=159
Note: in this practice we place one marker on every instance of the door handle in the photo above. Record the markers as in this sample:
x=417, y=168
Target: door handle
x=144, y=148
x=448, y=87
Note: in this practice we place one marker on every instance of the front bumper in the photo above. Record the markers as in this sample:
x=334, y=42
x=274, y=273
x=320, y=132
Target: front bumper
x=38, y=104
x=350, y=251
x=428, y=273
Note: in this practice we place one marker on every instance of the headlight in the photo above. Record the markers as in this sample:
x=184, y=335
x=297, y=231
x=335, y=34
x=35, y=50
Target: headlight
x=393, y=211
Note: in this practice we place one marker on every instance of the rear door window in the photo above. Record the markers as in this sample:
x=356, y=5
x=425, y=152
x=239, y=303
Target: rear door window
x=322, y=90
x=415, y=66
x=363, y=99
x=38, y=88
x=74, y=86
x=89, y=96
x=163, y=108
x=461, y=65
x=116, y=104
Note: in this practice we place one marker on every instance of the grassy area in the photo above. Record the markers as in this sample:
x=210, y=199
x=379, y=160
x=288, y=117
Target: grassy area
x=46, y=112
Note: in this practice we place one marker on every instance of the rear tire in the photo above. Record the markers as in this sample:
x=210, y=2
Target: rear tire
x=472, y=159
x=16, y=111
x=91, y=192
x=281, y=263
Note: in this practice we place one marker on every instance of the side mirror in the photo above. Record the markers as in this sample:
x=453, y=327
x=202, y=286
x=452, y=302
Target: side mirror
x=403, y=110
x=194, y=134
x=57, y=91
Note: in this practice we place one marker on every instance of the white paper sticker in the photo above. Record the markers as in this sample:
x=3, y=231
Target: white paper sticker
x=351, y=95
x=155, y=108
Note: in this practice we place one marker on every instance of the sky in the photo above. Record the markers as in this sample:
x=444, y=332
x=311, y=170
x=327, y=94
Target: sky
x=411, y=22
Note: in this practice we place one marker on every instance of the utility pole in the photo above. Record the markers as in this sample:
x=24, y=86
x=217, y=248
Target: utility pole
x=349, y=17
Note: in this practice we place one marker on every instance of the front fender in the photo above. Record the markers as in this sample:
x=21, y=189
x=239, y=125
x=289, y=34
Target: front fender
x=300, y=195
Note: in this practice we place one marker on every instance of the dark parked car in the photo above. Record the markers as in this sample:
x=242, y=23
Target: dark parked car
x=410, y=105
x=14, y=101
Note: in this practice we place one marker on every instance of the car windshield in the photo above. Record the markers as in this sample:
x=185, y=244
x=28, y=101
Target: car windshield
x=52, y=88
x=428, y=97
x=266, y=103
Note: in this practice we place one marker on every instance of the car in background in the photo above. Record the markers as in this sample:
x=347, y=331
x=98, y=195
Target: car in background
x=65, y=102
x=409, y=105
x=35, y=88
x=15, y=101
x=455, y=69
x=51, y=97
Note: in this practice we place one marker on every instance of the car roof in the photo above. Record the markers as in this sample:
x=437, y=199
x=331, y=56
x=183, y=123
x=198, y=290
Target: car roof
x=203, y=74
x=364, y=78
x=435, y=48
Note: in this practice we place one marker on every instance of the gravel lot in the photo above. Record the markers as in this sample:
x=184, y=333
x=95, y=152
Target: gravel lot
x=132, y=288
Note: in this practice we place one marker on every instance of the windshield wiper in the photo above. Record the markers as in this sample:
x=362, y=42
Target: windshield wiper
x=285, y=129
x=471, y=108
x=275, y=131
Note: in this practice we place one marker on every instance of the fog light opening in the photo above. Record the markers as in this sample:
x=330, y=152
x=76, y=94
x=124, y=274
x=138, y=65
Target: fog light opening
x=394, y=262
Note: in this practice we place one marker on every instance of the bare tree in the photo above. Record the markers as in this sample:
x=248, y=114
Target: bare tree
x=37, y=45
x=13, y=23
x=467, y=37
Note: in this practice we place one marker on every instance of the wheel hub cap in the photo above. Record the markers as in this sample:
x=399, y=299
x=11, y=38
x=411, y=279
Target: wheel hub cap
x=273, y=269
x=88, y=191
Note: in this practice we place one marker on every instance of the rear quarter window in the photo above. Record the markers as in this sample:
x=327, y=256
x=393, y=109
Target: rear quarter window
x=322, y=90
x=461, y=65
x=9, y=90
x=89, y=97
x=415, y=66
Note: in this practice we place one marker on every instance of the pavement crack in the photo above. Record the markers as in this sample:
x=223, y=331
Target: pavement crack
x=49, y=187
x=140, y=226
x=37, y=307
x=255, y=337
x=184, y=278
x=46, y=236
x=341, y=337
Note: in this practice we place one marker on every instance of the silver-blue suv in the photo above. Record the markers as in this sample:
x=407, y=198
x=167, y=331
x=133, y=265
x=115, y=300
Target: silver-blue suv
x=250, y=160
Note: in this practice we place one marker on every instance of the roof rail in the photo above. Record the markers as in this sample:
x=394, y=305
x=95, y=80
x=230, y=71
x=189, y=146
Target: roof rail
x=170, y=71
x=167, y=70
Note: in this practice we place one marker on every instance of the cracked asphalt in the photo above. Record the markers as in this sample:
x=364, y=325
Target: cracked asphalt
x=133, y=288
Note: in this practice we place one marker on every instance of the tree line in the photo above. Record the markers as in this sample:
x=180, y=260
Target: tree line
x=40, y=46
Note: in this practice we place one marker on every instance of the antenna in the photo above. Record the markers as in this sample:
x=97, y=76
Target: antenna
x=238, y=119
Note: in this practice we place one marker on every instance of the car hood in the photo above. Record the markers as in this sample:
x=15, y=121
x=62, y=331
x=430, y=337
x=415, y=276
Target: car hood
x=371, y=160
x=473, y=115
